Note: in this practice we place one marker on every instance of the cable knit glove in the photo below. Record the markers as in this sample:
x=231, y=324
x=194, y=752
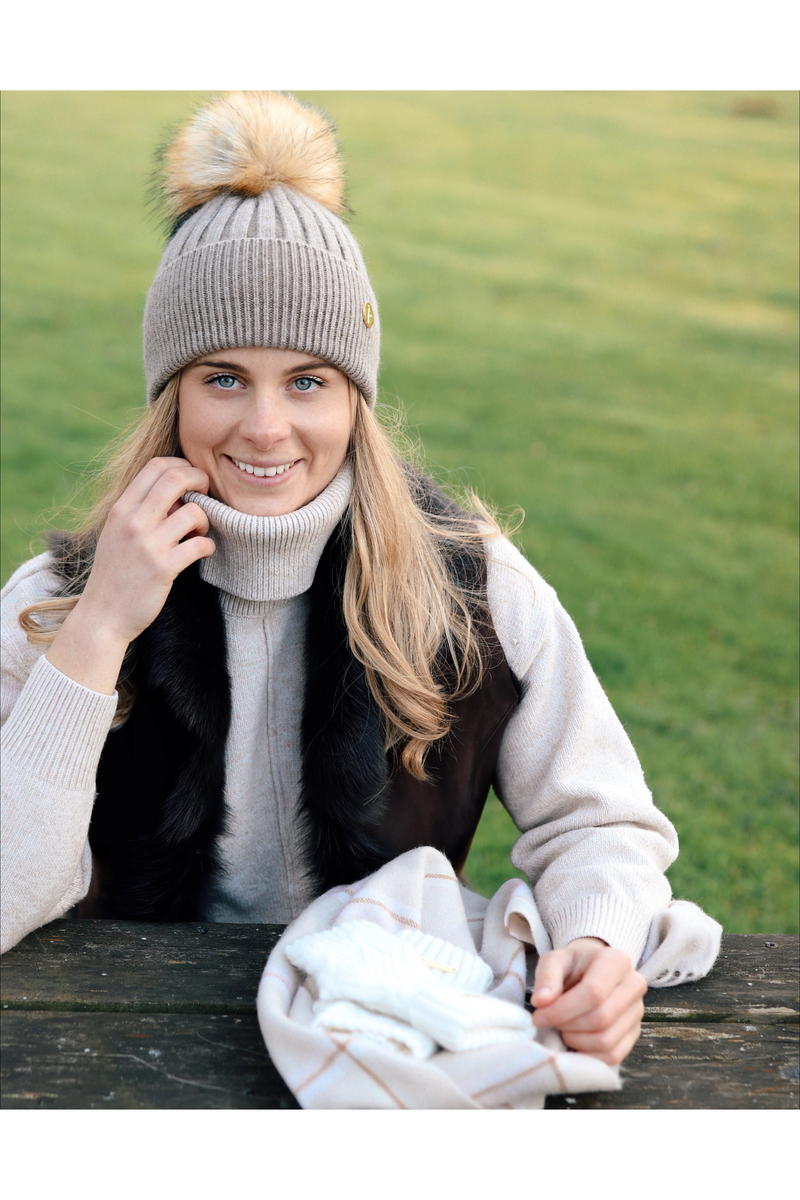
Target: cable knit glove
x=342, y=1016
x=432, y=985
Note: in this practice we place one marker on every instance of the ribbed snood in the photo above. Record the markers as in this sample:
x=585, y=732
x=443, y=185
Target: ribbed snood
x=271, y=558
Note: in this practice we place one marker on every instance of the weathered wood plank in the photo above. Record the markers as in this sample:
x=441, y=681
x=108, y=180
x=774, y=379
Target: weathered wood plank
x=756, y=979
x=714, y=1065
x=131, y=1015
x=113, y=966
x=119, y=966
x=131, y=1060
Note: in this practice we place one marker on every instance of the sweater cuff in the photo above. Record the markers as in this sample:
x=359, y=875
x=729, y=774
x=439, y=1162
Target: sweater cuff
x=616, y=921
x=57, y=728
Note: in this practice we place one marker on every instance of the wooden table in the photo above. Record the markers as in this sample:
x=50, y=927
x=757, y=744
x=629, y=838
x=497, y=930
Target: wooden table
x=117, y=1014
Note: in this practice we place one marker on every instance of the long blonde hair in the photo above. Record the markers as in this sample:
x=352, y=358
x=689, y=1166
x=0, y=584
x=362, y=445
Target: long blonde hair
x=412, y=622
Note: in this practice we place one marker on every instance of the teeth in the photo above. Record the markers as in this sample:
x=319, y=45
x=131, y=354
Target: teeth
x=261, y=471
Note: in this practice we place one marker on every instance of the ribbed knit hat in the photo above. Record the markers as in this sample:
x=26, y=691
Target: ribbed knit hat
x=259, y=256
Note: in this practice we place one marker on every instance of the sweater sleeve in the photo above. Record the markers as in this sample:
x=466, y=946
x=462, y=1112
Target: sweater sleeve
x=593, y=845
x=53, y=732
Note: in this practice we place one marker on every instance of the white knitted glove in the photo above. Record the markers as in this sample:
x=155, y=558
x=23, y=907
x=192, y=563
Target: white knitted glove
x=342, y=1016
x=432, y=985
x=459, y=1021
x=453, y=967
x=359, y=961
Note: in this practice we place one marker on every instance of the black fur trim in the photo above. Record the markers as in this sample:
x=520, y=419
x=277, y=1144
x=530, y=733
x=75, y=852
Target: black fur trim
x=347, y=781
x=345, y=771
x=161, y=779
x=162, y=857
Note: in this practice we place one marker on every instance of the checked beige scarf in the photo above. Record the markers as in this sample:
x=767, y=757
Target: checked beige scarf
x=419, y=891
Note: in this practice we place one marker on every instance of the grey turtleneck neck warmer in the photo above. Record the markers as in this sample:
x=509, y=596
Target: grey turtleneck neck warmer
x=263, y=567
x=271, y=558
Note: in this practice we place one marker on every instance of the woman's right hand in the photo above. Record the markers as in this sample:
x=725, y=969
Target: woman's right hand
x=139, y=553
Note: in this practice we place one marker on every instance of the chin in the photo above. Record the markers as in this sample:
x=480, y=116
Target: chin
x=267, y=506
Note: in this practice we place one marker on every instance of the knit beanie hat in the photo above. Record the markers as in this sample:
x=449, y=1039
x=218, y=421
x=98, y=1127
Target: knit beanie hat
x=259, y=255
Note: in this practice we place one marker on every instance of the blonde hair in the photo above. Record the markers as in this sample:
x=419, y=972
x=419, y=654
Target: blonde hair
x=412, y=621
x=153, y=435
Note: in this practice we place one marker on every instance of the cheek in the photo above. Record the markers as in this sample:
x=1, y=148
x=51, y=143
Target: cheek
x=197, y=431
x=330, y=436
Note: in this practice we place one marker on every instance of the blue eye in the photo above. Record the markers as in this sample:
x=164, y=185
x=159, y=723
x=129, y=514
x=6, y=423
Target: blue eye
x=225, y=381
x=305, y=383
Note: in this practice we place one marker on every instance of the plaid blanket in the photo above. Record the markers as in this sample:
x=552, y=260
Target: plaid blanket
x=419, y=891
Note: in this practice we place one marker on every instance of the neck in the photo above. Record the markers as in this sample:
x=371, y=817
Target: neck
x=271, y=558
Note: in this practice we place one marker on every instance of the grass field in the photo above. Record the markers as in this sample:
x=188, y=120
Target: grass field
x=589, y=309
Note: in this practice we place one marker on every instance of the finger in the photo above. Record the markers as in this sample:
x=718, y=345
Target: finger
x=185, y=553
x=186, y=520
x=168, y=488
x=139, y=487
x=626, y=998
x=611, y=1046
x=604, y=973
x=602, y=1041
x=548, y=980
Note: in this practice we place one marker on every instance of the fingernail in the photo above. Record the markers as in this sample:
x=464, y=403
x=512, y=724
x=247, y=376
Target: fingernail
x=542, y=993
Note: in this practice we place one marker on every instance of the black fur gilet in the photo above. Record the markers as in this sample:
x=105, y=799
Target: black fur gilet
x=160, y=803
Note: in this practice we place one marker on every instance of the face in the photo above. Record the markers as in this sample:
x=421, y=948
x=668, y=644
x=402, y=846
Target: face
x=270, y=428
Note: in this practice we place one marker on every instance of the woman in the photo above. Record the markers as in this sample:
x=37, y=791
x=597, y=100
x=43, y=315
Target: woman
x=277, y=656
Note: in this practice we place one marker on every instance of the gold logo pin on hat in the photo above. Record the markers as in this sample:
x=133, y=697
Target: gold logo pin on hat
x=367, y=314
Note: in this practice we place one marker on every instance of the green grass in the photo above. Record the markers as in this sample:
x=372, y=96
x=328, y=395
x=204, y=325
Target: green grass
x=589, y=308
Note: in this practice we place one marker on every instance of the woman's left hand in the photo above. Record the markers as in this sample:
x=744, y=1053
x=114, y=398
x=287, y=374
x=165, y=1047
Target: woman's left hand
x=591, y=994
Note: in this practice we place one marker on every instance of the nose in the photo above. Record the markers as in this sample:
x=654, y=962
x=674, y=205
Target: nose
x=265, y=422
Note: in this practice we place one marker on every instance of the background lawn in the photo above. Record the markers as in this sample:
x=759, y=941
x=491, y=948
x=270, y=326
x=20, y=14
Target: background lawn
x=589, y=308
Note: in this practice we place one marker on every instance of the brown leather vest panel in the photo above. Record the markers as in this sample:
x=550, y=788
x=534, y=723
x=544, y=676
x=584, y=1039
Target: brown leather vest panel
x=445, y=811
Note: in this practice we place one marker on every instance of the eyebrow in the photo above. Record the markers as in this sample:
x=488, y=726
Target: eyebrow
x=242, y=370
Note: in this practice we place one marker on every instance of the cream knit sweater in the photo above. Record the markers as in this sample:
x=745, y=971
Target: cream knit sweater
x=592, y=843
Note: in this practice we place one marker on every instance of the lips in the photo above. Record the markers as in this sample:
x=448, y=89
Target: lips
x=261, y=472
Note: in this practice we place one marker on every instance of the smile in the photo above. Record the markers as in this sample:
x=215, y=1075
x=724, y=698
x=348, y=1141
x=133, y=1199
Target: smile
x=250, y=469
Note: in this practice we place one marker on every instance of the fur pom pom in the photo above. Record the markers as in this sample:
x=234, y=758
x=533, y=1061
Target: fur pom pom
x=246, y=143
